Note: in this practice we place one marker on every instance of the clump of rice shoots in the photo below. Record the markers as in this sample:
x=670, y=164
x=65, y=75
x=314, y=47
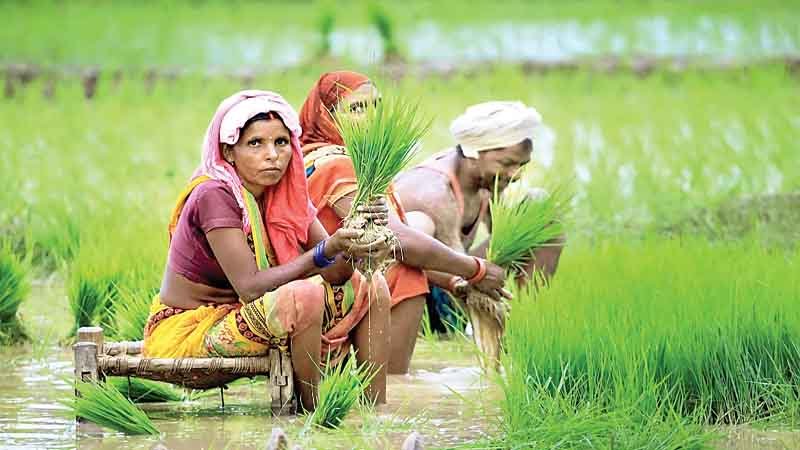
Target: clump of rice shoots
x=92, y=286
x=131, y=310
x=325, y=23
x=521, y=224
x=383, y=23
x=14, y=287
x=91, y=298
x=104, y=405
x=341, y=387
x=145, y=391
x=380, y=144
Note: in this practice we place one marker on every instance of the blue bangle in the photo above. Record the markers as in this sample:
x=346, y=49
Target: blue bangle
x=320, y=260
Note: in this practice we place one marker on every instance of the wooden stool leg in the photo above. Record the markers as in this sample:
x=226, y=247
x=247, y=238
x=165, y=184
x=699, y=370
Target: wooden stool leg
x=85, y=367
x=93, y=335
x=86, y=362
x=281, y=383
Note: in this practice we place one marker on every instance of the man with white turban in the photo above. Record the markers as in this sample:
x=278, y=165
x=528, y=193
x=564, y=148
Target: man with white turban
x=447, y=196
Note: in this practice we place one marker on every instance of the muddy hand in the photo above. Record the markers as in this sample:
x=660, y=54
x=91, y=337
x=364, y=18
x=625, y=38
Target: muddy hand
x=342, y=240
x=354, y=249
x=494, y=281
x=460, y=288
x=376, y=211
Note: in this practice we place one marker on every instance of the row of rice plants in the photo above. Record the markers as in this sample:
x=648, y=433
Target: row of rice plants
x=655, y=332
x=213, y=35
x=642, y=153
x=113, y=278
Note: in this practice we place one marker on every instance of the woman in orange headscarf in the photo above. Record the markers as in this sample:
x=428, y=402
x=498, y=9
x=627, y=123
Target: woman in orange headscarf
x=331, y=185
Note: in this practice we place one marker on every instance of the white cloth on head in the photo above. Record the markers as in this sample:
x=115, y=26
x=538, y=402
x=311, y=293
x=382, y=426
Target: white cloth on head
x=240, y=113
x=493, y=125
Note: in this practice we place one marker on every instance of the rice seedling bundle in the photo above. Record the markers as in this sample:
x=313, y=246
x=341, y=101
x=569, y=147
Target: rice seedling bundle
x=520, y=225
x=380, y=144
x=325, y=25
x=341, y=387
x=381, y=20
x=14, y=287
x=91, y=297
x=131, y=310
x=106, y=271
x=145, y=391
x=523, y=223
x=106, y=406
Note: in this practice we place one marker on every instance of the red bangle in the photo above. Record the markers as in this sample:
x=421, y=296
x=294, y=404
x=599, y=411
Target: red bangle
x=480, y=274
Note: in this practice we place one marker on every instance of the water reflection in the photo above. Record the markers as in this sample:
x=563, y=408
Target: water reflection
x=431, y=399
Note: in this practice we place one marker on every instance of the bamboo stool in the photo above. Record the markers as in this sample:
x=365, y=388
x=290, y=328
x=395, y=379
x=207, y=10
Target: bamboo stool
x=96, y=359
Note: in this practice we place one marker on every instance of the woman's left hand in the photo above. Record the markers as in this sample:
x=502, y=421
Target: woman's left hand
x=379, y=248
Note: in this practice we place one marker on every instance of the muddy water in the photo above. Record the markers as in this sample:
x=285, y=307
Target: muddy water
x=444, y=397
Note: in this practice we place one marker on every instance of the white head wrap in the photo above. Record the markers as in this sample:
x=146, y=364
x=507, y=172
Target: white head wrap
x=492, y=125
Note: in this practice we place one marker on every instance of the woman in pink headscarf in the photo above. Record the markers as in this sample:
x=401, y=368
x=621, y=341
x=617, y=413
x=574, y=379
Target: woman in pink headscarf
x=249, y=265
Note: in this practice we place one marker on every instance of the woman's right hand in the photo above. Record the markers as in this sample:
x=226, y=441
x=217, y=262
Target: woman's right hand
x=493, y=283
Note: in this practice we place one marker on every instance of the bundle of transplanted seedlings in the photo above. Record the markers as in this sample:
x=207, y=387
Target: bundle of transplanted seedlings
x=381, y=142
x=521, y=224
x=139, y=390
x=106, y=406
x=342, y=386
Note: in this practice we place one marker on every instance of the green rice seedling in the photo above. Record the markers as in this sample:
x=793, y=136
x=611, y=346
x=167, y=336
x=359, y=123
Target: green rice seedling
x=135, y=293
x=380, y=19
x=91, y=298
x=341, y=387
x=131, y=310
x=425, y=330
x=705, y=331
x=104, y=405
x=92, y=288
x=325, y=24
x=145, y=391
x=14, y=287
x=381, y=143
x=520, y=225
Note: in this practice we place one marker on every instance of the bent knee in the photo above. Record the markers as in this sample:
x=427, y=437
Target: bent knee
x=379, y=289
x=307, y=300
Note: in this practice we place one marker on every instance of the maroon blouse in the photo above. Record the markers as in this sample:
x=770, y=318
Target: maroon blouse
x=211, y=205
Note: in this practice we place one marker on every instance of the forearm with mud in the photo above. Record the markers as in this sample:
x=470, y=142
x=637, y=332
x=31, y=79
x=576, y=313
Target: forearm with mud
x=337, y=273
x=417, y=249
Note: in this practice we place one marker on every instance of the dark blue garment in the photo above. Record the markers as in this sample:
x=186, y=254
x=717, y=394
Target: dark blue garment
x=444, y=315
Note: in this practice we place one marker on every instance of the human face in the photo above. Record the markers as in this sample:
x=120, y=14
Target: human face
x=355, y=103
x=504, y=163
x=261, y=155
